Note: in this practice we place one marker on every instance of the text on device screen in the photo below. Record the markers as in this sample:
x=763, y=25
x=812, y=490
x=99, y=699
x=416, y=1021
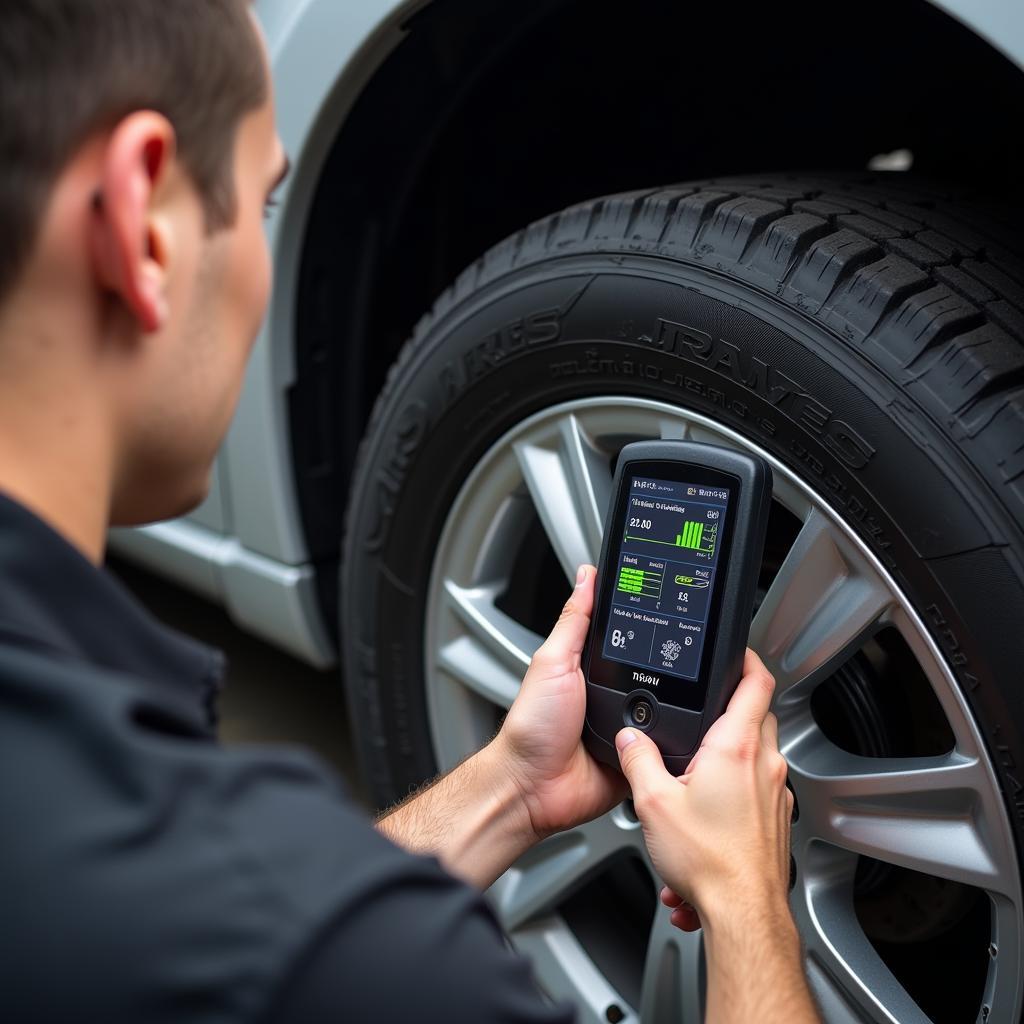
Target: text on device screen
x=665, y=575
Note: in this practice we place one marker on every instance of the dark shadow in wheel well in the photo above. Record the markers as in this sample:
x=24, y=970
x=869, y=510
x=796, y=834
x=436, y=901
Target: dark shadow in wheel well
x=491, y=114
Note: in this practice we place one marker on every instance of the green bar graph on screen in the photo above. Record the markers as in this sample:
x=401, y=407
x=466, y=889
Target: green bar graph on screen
x=691, y=535
x=696, y=535
x=639, y=581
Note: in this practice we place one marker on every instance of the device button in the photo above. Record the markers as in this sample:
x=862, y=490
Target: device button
x=642, y=713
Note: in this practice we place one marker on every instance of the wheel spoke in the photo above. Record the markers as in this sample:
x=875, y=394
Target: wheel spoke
x=590, y=475
x=704, y=435
x=570, y=483
x=507, y=640
x=823, y=604
x=852, y=985
x=921, y=813
x=472, y=664
x=551, y=944
x=673, y=983
x=673, y=429
x=849, y=979
x=550, y=872
x=492, y=656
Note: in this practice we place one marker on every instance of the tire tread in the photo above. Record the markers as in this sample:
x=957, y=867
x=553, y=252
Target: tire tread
x=906, y=272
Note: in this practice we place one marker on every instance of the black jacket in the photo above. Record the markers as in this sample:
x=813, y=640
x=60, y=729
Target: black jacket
x=149, y=875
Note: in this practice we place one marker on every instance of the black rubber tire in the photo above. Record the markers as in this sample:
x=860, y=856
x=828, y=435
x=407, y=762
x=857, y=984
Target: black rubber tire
x=866, y=330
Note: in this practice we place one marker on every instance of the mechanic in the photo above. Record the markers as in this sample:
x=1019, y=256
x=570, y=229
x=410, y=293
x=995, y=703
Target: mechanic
x=148, y=875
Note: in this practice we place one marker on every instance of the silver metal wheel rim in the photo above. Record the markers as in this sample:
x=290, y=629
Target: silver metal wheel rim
x=939, y=815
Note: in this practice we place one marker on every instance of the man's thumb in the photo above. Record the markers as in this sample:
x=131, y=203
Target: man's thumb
x=566, y=640
x=641, y=762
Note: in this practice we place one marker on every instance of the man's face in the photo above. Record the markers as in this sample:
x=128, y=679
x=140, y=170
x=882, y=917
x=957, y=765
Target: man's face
x=187, y=386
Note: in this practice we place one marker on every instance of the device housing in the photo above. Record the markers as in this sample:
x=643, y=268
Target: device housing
x=677, y=721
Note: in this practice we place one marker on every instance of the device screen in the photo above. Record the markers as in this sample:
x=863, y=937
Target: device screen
x=663, y=583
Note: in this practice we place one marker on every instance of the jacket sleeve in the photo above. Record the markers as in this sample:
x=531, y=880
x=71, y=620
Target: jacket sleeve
x=421, y=947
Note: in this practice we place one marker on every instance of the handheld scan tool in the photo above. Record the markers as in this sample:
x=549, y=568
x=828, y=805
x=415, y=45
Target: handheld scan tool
x=674, y=594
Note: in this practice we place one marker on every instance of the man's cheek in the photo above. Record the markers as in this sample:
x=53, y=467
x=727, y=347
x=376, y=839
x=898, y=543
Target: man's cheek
x=263, y=277
x=253, y=283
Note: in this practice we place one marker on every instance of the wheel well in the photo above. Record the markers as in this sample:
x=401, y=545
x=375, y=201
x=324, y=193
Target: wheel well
x=488, y=116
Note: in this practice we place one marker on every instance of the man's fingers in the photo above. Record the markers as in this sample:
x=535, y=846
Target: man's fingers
x=770, y=731
x=749, y=704
x=670, y=897
x=686, y=918
x=641, y=762
x=752, y=662
x=565, y=641
x=584, y=593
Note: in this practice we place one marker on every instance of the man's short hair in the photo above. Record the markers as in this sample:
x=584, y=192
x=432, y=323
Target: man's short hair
x=70, y=68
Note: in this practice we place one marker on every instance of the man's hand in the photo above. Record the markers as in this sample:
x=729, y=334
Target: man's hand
x=719, y=837
x=721, y=831
x=540, y=741
x=532, y=779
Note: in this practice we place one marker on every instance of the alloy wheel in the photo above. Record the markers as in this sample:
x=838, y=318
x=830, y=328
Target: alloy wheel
x=883, y=822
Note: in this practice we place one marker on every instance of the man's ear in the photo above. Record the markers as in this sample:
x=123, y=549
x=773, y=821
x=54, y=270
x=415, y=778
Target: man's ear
x=129, y=247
